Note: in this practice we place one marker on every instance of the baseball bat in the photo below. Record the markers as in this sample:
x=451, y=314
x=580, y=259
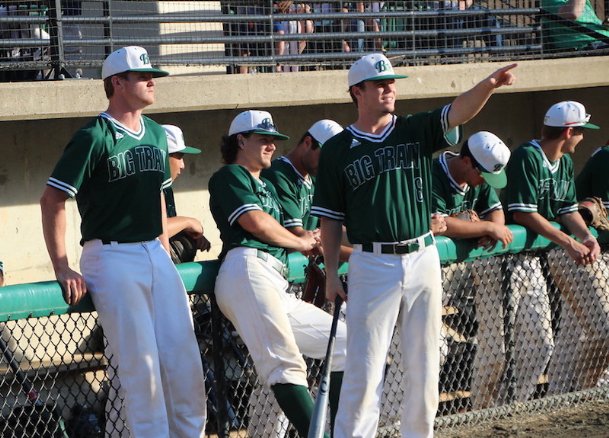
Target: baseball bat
x=320, y=410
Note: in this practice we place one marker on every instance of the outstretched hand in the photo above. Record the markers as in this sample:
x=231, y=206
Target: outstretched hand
x=503, y=76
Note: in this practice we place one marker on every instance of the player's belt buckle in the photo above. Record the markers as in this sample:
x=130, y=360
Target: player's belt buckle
x=401, y=248
x=275, y=264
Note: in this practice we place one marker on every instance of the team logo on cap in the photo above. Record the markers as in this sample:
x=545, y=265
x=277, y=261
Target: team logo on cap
x=267, y=125
x=144, y=58
x=381, y=66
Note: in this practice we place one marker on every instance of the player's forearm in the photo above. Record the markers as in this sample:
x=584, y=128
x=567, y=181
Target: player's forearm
x=576, y=225
x=331, y=237
x=266, y=229
x=54, y=228
x=496, y=217
x=178, y=224
x=540, y=225
x=461, y=229
x=468, y=104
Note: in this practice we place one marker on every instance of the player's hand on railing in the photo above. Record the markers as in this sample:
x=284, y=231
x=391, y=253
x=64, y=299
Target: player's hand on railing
x=72, y=284
x=578, y=252
x=501, y=233
x=334, y=287
x=592, y=244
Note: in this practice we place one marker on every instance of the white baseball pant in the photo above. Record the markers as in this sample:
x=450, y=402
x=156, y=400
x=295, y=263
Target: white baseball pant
x=382, y=288
x=143, y=308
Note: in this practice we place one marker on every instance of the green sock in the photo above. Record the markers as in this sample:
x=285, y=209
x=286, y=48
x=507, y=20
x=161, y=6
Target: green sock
x=336, y=381
x=297, y=404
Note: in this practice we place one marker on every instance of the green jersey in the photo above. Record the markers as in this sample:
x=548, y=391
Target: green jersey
x=449, y=198
x=563, y=37
x=593, y=181
x=295, y=193
x=537, y=185
x=233, y=191
x=116, y=176
x=379, y=185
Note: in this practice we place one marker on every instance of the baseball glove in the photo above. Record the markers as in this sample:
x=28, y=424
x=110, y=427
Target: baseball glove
x=183, y=248
x=594, y=213
x=314, y=288
x=467, y=215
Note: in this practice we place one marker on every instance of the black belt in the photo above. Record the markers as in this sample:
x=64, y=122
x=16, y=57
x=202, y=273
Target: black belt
x=275, y=264
x=400, y=248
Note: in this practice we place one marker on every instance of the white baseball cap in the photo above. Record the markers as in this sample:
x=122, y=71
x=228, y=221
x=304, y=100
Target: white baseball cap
x=131, y=58
x=372, y=67
x=568, y=114
x=491, y=155
x=257, y=122
x=324, y=130
x=175, y=141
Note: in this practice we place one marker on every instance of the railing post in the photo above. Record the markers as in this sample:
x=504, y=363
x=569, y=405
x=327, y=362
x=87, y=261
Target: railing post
x=107, y=12
x=220, y=379
x=508, y=327
x=56, y=40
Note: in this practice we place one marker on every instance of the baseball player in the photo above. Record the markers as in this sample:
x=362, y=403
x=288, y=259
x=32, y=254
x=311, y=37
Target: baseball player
x=292, y=176
x=116, y=167
x=461, y=183
x=541, y=189
x=276, y=327
x=1, y=274
x=189, y=226
x=375, y=177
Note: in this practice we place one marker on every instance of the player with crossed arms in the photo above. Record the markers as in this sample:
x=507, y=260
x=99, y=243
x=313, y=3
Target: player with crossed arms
x=375, y=177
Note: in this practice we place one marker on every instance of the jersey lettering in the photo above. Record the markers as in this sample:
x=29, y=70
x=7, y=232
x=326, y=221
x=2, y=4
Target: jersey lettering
x=559, y=190
x=388, y=158
x=124, y=164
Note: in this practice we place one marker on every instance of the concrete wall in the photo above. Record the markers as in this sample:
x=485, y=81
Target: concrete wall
x=38, y=119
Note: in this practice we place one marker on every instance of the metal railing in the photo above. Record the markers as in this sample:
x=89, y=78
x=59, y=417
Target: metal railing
x=500, y=354
x=50, y=38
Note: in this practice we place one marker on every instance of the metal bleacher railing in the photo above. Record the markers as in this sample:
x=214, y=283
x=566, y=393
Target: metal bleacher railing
x=54, y=376
x=51, y=38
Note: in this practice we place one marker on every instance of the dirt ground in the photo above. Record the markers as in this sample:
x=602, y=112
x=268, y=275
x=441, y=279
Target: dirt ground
x=587, y=420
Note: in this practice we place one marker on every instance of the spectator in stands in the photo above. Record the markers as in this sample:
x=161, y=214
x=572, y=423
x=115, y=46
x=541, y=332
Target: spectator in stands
x=284, y=27
x=541, y=189
x=560, y=36
x=463, y=192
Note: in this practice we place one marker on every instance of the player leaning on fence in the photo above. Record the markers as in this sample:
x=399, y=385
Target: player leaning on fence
x=541, y=189
x=251, y=286
x=464, y=194
x=116, y=167
x=375, y=177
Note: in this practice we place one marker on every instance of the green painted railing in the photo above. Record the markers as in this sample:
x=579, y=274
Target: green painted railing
x=33, y=300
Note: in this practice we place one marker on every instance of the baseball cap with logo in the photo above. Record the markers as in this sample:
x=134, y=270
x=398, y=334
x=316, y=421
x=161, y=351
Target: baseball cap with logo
x=324, y=130
x=568, y=114
x=175, y=141
x=131, y=58
x=491, y=155
x=256, y=122
x=372, y=67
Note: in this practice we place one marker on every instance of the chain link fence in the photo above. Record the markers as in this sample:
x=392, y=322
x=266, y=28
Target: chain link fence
x=525, y=330
x=49, y=38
